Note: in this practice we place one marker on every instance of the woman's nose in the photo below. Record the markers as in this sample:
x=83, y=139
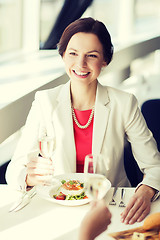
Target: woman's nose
x=81, y=61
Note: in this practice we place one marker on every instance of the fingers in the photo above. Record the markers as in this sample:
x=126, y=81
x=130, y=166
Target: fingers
x=39, y=161
x=138, y=206
x=39, y=170
x=136, y=210
x=33, y=180
x=39, y=164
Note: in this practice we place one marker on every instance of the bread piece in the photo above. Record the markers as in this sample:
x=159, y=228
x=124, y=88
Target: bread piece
x=138, y=236
x=152, y=221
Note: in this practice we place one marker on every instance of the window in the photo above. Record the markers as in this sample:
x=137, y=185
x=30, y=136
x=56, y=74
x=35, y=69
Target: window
x=26, y=24
x=106, y=12
x=147, y=16
x=10, y=25
x=49, y=11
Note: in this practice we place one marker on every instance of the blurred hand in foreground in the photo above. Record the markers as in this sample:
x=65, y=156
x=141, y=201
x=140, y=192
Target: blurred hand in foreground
x=95, y=222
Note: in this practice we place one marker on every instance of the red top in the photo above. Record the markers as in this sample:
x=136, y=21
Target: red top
x=83, y=138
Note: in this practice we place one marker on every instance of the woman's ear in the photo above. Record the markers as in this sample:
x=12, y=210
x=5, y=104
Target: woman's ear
x=104, y=64
x=63, y=56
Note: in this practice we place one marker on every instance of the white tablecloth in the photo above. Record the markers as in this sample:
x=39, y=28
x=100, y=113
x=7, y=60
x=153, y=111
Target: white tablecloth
x=44, y=220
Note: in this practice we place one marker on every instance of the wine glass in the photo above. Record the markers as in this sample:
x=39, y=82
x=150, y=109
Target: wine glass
x=96, y=184
x=47, y=146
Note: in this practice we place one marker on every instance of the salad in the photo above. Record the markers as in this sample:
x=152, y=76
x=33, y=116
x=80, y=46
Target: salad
x=70, y=190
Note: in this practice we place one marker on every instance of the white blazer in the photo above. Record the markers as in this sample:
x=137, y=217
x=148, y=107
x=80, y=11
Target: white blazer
x=116, y=116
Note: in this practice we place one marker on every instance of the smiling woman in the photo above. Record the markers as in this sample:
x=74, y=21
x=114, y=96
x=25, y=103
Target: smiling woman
x=84, y=59
x=85, y=117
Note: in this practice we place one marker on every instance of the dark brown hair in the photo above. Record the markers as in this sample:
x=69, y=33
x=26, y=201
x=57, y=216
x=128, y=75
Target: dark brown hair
x=88, y=25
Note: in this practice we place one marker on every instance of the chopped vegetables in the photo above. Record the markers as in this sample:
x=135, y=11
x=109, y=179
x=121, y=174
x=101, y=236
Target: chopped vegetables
x=61, y=196
x=74, y=190
x=63, y=181
x=76, y=197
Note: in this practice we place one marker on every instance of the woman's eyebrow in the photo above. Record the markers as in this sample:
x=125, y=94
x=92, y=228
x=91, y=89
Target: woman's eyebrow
x=72, y=49
x=92, y=51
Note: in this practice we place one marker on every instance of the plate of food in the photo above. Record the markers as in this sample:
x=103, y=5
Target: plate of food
x=68, y=190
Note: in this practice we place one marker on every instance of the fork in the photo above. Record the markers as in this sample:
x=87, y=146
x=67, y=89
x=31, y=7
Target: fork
x=122, y=204
x=23, y=201
x=113, y=202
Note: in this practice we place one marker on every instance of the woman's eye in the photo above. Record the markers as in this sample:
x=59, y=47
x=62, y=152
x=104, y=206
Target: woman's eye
x=92, y=56
x=72, y=53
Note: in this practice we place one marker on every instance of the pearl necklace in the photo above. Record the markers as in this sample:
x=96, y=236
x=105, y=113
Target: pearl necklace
x=76, y=120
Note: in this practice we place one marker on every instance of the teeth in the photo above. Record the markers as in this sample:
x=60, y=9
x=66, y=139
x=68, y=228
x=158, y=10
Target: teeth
x=80, y=73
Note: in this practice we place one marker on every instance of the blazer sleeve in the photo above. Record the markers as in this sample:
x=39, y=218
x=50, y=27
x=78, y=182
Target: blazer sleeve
x=16, y=171
x=143, y=144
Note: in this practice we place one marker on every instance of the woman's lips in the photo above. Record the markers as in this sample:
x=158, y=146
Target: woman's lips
x=81, y=74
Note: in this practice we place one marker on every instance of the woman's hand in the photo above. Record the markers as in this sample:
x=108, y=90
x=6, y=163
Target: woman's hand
x=96, y=221
x=139, y=205
x=38, y=169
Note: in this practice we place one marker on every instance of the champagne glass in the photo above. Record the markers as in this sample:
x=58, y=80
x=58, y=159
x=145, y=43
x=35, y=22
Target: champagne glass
x=96, y=184
x=47, y=146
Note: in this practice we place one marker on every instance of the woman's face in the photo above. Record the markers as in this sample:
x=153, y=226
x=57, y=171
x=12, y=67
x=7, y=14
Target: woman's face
x=83, y=57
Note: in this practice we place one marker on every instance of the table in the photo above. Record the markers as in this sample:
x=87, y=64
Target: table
x=44, y=220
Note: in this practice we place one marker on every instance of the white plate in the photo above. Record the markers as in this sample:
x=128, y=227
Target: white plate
x=46, y=192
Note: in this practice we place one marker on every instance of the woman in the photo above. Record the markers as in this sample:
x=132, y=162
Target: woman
x=86, y=117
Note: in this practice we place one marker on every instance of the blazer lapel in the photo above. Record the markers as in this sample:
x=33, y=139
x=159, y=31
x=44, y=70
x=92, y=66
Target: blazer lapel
x=100, y=118
x=62, y=119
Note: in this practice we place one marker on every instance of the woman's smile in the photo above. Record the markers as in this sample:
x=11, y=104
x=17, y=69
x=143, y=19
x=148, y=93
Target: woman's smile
x=81, y=74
